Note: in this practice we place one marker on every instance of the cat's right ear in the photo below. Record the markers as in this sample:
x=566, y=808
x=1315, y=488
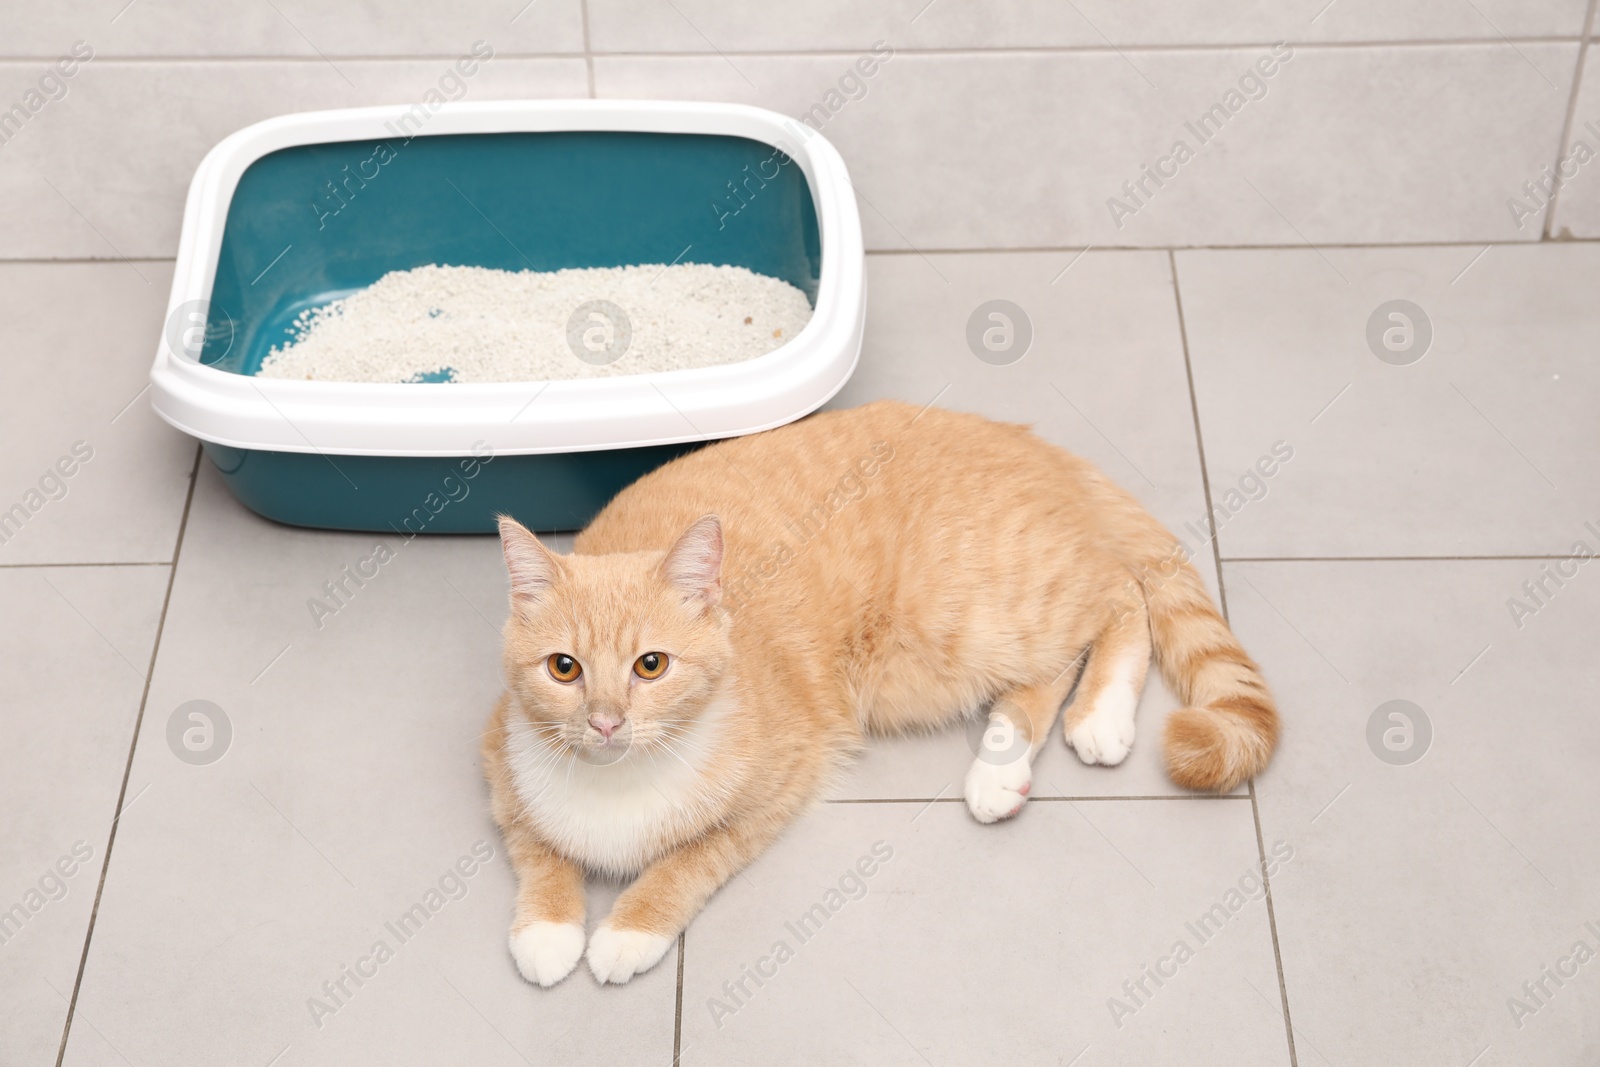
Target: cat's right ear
x=531, y=566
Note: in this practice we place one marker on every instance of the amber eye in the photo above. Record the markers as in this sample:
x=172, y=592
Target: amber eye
x=650, y=665
x=563, y=668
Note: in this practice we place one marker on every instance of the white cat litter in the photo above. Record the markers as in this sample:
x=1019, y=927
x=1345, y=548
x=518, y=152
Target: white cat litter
x=474, y=324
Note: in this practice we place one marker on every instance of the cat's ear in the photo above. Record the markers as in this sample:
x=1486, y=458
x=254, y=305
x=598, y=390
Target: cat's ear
x=531, y=566
x=694, y=564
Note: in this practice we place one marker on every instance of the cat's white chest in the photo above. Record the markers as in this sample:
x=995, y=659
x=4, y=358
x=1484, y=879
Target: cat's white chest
x=615, y=818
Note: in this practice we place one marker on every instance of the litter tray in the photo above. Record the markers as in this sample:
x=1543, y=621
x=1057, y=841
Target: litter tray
x=300, y=210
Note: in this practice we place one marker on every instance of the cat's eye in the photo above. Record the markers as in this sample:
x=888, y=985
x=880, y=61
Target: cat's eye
x=650, y=665
x=563, y=668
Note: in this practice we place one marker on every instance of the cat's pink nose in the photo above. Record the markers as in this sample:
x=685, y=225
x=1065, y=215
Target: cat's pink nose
x=606, y=724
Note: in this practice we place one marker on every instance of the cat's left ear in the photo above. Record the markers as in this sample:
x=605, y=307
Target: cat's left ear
x=694, y=564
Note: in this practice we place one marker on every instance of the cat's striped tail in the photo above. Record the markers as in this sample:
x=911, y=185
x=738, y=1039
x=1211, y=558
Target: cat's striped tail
x=1228, y=726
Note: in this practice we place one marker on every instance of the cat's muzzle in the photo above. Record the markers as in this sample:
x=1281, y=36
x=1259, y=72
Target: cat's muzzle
x=599, y=749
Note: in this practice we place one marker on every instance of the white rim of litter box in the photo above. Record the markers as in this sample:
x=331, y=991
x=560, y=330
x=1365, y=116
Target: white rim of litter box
x=577, y=415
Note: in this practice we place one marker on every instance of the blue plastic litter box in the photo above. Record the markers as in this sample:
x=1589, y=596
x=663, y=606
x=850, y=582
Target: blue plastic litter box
x=301, y=210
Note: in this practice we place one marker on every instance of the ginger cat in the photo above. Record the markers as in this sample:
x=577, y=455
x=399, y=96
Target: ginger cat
x=729, y=629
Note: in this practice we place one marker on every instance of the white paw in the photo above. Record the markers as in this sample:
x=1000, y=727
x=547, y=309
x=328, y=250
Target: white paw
x=547, y=952
x=1106, y=733
x=617, y=955
x=997, y=791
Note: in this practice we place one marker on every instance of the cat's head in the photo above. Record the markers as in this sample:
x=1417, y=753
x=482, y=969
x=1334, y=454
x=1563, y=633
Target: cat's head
x=608, y=653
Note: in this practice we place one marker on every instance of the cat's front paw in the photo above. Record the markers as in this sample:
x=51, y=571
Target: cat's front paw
x=997, y=791
x=547, y=952
x=617, y=955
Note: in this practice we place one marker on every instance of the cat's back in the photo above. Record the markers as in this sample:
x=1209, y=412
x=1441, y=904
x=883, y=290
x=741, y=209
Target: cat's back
x=855, y=541
x=789, y=482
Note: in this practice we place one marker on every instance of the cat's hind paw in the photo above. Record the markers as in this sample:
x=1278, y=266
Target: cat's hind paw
x=997, y=791
x=1106, y=734
x=617, y=955
x=547, y=952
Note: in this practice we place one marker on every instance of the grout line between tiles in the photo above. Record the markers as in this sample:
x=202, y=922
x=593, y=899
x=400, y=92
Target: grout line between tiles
x=998, y=50
x=1566, y=125
x=1527, y=242
x=1199, y=438
x=1377, y=559
x=87, y=259
x=127, y=769
x=1222, y=594
x=103, y=60
x=677, y=1013
x=1108, y=49
x=1042, y=800
x=1530, y=243
x=1272, y=924
x=20, y=566
x=588, y=49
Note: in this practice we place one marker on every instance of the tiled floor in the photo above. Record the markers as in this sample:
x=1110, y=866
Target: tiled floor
x=187, y=913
